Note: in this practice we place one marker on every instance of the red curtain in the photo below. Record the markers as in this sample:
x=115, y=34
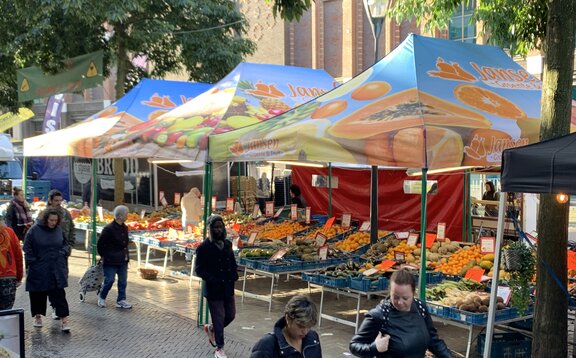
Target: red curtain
x=396, y=211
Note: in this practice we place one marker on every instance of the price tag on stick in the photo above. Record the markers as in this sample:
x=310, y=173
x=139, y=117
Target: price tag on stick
x=269, y=208
x=412, y=239
x=252, y=237
x=320, y=239
x=441, y=232
x=365, y=226
x=177, y=197
x=323, y=252
x=487, y=245
x=293, y=212
x=346, y=219
x=229, y=205
x=308, y=214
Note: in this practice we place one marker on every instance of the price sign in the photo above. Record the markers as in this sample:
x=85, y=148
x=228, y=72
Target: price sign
x=269, y=208
x=278, y=254
x=255, y=211
x=308, y=214
x=571, y=260
x=162, y=199
x=346, y=219
x=430, y=238
x=412, y=239
x=323, y=252
x=213, y=203
x=386, y=264
x=289, y=239
x=330, y=222
x=252, y=237
x=101, y=213
x=487, y=245
x=370, y=272
x=441, y=232
x=235, y=242
x=474, y=274
x=180, y=235
x=229, y=205
x=278, y=212
x=505, y=292
x=399, y=256
x=202, y=200
x=320, y=239
x=236, y=227
x=365, y=226
x=294, y=212
x=172, y=234
x=402, y=235
x=189, y=228
x=142, y=213
x=177, y=197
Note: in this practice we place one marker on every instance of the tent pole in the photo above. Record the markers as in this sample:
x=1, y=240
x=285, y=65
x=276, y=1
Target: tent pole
x=25, y=177
x=495, y=278
x=155, y=186
x=422, y=283
x=330, y=190
x=469, y=215
x=464, y=206
x=374, y=204
x=93, y=211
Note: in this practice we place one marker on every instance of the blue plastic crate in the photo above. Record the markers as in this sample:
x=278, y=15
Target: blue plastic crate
x=366, y=285
x=432, y=278
x=510, y=344
x=524, y=324
x=336, y=282
x=438, y=310
x=320, y=218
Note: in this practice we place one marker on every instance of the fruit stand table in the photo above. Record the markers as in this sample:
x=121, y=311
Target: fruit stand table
x=165, y=246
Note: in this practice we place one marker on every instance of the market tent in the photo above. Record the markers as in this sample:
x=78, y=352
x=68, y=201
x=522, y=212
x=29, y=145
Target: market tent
x=251, y=93
x=147, y=100
x=430, y=103
x=545, y=167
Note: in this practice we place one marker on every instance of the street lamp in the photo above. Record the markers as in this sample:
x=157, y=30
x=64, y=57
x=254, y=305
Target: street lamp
x=376, y=11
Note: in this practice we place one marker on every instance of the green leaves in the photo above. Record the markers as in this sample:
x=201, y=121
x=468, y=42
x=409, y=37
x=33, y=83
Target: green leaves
x=290, y=10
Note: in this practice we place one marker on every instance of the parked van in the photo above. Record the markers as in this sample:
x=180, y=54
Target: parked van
x=10, y=168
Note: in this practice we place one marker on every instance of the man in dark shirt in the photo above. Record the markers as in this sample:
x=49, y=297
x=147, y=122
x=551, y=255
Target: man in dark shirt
x=113, y=249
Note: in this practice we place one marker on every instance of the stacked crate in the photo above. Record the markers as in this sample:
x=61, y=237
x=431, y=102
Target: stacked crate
x=247, y=194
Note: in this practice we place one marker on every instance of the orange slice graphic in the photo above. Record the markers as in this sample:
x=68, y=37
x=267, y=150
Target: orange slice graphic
x=488, y=101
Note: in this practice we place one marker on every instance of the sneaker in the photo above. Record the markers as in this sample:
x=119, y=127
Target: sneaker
x=101, y=302
x=38, y=321
x=219, y=353
x=65, y=327
x=210, y=332
x=54, y=315
x=123, y=304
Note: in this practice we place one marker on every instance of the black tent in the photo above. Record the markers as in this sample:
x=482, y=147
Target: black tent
x=545, y=167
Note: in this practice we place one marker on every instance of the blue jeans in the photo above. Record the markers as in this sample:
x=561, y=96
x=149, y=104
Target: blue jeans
x=110, y=271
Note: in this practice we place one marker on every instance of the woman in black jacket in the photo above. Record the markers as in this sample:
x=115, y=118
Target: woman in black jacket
x=18, y=215
x=398, y=327
x=293, y=336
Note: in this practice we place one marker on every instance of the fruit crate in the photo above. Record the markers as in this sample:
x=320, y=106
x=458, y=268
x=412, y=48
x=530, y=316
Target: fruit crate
x=432, y=278
x=479, y=318
x=311, y=277
x=367, y=285
x=438, y=310
x=510, y=344
x=335, y=282
x=278, y=267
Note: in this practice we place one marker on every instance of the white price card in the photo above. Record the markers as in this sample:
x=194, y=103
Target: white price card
x=101, y=213
x=177, y=197
x=370, y=272
x=252, y=237
x=308, y=214
x=229, y=205
x=346, y=219
x=441, y=232
x=402, y=235
x=399, y=256
x=487, y=245
x=162, y=199
x=269, y=208
x=142, y=213
x=323, y=252
x=505, y=292
x=289, y=239
x=365, y=226
x=279, y=254
x=213, y=203
x=255, y=211
x=320, y=239
x=293, y=212
x=278, y=212
x=412, y=239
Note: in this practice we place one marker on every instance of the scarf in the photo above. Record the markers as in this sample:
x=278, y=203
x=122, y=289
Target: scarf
x=23, y=216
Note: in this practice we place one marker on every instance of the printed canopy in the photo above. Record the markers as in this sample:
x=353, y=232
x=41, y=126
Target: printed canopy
x=147, y=100
x=250, y=94
x=430, y=103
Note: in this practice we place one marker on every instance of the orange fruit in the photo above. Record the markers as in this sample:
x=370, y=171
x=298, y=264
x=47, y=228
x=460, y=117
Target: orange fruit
x=488, y=101
x=370, y=90
x=444, y=148
x=330, y=109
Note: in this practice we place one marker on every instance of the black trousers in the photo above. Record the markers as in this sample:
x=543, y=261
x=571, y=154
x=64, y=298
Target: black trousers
x=57, y=300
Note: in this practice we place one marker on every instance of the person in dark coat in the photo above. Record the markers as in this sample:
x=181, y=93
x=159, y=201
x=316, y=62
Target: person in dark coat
x=18, y=216
x=46, y=250
x=113, y=249
x=398, y=327
x=293, y=336
x=216, y=265
x=296, y=196
x=490, y=194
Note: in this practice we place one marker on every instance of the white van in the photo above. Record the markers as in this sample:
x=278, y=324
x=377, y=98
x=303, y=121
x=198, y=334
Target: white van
x=10, y=168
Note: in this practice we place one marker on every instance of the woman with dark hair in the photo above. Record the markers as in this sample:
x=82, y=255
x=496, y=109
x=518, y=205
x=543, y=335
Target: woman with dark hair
x=296, y=196
x=45, y=251
x=293, y=335
x=18, y=216
x=492, y=195
x=399, y=326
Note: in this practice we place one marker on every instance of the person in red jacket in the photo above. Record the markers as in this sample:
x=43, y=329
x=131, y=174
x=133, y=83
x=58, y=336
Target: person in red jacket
x=11, y=266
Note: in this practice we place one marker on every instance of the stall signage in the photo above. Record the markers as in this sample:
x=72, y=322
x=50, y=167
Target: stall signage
x=177, y=197
x=101, y=213
x=330, y=222
x=235, y=242
x=255, y=211
x=346, y=219
x=172, y=234
x=365, y=226
x=189, y=228
x=571, y=260
x=320, y=239
x=412, y=239
x=229, y=205
x=441, y=232
x=399, y=256
x=289, y=239
x=505, y=292
x=487, y=245
x=386, y=264
x=269, y=208
x=475, y=274
x=323, y=252
x=430, y=238
x=214, y=203
x=370, y=272
x=308, y=214
x=162, y=199
x=294, y=212
x=279, y=254
x=402, y=235
x=278, y=212
x=142, y=213
x=252, y=237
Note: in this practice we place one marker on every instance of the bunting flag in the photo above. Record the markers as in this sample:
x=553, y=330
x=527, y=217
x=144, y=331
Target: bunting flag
x=10, y=119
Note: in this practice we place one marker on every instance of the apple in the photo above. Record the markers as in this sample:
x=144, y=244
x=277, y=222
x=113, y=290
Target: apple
x=183, y=124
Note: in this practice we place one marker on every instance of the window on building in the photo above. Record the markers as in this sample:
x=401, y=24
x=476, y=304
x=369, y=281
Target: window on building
x=460, y=28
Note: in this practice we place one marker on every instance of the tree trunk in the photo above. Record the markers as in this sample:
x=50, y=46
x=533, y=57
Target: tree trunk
x=121, y=71
x=550, y=318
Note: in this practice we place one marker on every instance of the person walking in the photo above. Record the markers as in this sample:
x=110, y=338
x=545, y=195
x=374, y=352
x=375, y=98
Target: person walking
x=191, y=208
x=113, y=249
x=400, y=326
x=11, y=266
x=18, y=215
x=216, y=265
x=293, y=336
x=45, y=252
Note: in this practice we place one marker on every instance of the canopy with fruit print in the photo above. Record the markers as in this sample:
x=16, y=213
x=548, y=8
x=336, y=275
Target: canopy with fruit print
x=147, y=100
x=430, y=103
x=251, y=93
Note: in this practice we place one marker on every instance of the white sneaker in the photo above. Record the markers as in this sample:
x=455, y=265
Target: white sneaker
x=101, y=302
x=219, y=353
x=123, y=304
x=54, y=315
